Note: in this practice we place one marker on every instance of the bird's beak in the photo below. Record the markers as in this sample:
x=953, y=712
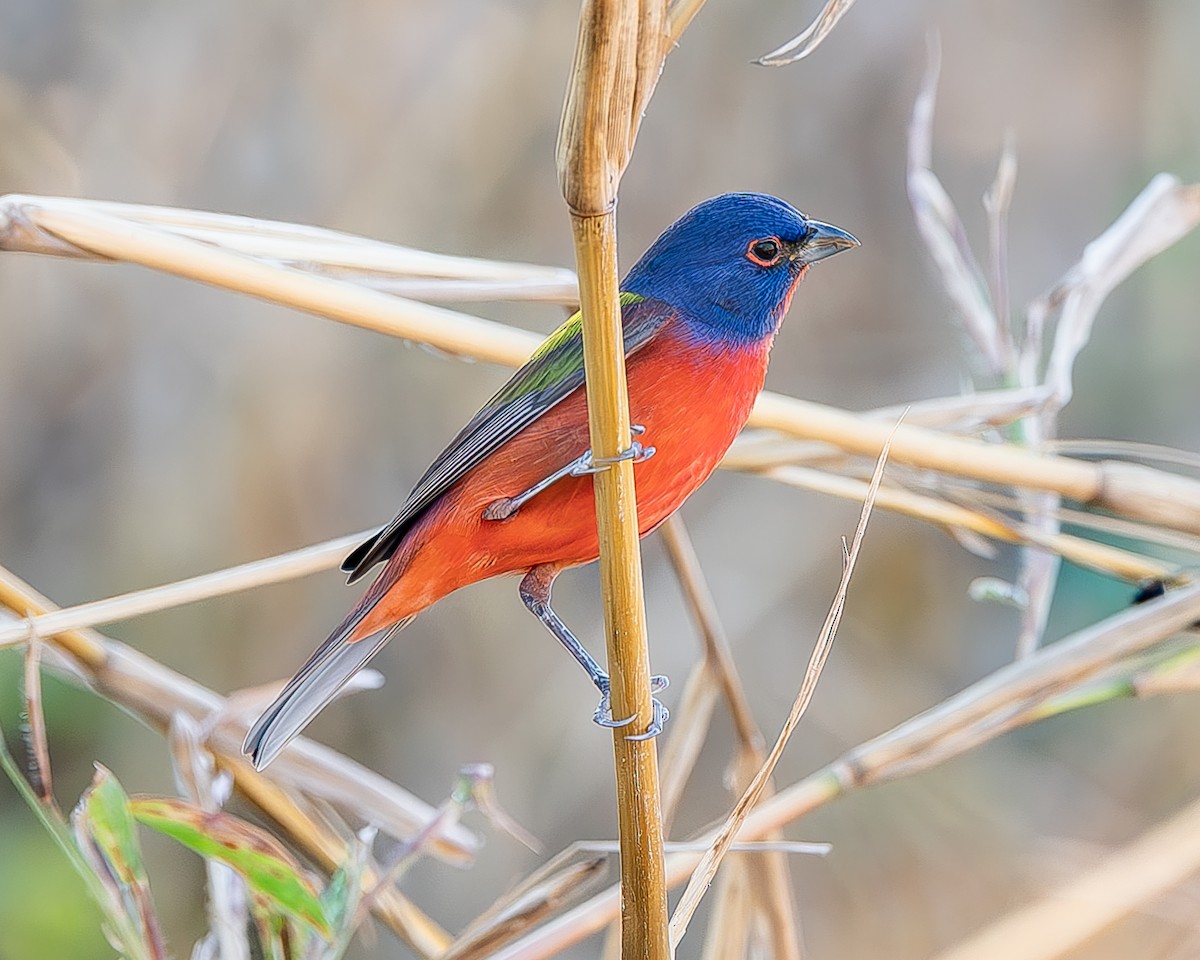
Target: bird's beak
x=823, y=240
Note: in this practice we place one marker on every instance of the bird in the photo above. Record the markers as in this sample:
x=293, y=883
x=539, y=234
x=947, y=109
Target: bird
x=513, y=493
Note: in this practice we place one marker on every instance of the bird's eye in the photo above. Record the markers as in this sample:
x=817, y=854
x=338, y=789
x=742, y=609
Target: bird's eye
x=766, y=252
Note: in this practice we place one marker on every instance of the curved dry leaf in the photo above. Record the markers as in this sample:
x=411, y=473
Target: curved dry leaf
x=801, y=46
x=943, y=232
x=1163, y=213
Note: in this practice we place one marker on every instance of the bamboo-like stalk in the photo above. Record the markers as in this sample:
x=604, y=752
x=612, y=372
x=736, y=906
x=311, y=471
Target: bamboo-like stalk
x=1126, y=488
x=154, y=694
x=1095, y=555
x=644, y=916
x=1135, y=491
x=309, y=248
x=979, y=713
x=775, y=902
x=618, y=57
x=245, y=576
x=1092, y=554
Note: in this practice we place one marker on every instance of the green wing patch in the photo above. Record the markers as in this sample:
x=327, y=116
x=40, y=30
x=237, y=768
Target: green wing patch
x=551, y=374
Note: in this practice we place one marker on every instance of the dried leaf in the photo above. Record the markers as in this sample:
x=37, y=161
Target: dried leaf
x=801, y=46
x=1161, y=215
x=942, y=230
x=705, y=870
x=997, y=202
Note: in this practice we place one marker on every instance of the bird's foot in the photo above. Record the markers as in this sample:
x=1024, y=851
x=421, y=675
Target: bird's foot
x=637, y=452
x=603, y=715
x=581, y=466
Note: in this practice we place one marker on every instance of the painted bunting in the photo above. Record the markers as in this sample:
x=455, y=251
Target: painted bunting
x=512, y=493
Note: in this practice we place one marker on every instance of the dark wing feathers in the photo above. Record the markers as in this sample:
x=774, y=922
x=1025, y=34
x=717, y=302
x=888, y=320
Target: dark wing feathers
x=550, y=375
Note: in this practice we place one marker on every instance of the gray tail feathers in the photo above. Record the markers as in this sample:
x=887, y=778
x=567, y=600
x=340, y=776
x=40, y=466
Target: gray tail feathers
x=317, y=682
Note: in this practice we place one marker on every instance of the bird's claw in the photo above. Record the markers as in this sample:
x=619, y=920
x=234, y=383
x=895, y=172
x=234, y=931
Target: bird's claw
x=660, y=714
x=659, y=719
x=581, y=466
x=636, y=451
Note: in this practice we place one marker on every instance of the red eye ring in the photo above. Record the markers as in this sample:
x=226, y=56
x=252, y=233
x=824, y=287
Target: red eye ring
x=766, y=252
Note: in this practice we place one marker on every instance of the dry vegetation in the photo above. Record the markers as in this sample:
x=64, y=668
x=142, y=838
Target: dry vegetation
x=987, y=465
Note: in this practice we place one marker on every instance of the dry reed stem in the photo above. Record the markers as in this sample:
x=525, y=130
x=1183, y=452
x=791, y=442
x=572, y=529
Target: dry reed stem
x=707, y=868
x=619, y=55
x=776, y=903
x=639, y=817
x=155, y=695
x=1137, y=492
x=977, y=714
x=1124, y=882
x=1085, y=553
x=990, y=501
x=455, y=333
x=126, y=606
x=307, y=248
x=325, y=556
x=523, y=908
x=717, y=653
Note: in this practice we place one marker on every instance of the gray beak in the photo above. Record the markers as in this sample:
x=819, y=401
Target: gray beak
x=823, y=240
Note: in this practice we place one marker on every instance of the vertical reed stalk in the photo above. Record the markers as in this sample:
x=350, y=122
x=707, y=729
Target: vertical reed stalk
x=620, y=51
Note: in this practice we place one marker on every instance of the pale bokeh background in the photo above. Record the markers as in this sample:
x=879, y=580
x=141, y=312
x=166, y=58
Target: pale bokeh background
x=153, y=429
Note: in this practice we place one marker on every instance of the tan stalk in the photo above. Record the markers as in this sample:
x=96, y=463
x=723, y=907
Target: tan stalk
x=708, y=621
x=1133, y=490
x=246, y=576
x=707, y=867
x=977, y=714
x=618, y=57
x=767, y=871
x=1130, y=489
x=308, y=248
x=1086, y=553
x=155, y=694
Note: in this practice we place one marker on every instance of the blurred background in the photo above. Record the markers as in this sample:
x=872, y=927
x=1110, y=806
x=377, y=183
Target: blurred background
x=153, y=429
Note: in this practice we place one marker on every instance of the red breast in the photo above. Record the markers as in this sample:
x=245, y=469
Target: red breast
x=692, y=400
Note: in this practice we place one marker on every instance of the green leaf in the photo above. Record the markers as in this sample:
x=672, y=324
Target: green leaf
x=266, y=866
x=107, y=838
x=104, y=812
x=58, y=829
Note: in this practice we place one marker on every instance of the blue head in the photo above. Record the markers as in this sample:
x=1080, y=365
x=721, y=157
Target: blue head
x=730, y=264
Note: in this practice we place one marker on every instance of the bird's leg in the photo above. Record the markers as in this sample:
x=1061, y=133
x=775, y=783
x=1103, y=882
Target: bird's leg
x=535, y=593
x=581, y=466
